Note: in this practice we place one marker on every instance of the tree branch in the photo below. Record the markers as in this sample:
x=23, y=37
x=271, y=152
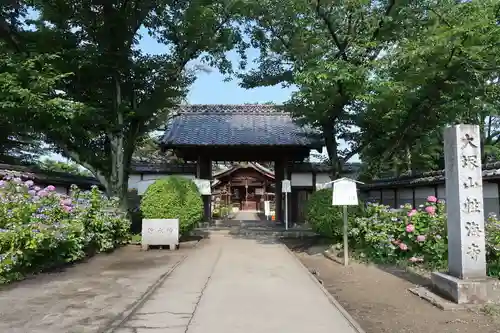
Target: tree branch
x=380, y=25
x=340, y=46
x=376, y=33
x=353, y=152
x=76, y=157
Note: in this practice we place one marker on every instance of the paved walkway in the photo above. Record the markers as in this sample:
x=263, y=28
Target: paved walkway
x=246, y=215
x=232, y=285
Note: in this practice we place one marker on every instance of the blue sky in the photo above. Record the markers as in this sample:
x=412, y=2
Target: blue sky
x=210, y=88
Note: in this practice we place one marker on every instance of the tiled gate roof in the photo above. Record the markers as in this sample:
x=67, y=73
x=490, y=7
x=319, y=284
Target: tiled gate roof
x=230, y=125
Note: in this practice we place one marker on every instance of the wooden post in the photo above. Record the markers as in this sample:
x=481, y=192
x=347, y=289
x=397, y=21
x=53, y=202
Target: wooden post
x=204, y=171
x=288, y=175
x=279, y=170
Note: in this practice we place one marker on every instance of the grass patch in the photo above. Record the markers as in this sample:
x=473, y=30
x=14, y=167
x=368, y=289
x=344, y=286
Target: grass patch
x=136, y=238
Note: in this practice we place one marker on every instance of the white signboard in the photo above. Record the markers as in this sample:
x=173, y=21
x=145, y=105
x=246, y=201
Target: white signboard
x=160, y=232
x=204, y=186
x=344, y=192
x=286, y=186
x=259, y=191
x=267, y=208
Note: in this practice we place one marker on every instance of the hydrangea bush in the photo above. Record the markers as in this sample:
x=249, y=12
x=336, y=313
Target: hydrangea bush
x=392, y=235
x=40, y=228
x=406, y=235
x=416, y=236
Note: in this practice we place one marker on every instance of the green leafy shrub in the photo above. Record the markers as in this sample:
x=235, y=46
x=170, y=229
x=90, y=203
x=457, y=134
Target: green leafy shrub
x=40, y=228
x=173, y=197
x=325, y=219
x=493, y=245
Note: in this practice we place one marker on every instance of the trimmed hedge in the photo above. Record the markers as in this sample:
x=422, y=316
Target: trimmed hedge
x=326, y=219
x=173, y=197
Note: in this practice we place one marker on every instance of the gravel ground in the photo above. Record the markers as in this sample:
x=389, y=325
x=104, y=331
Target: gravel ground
x=381, y=303
x=87, y=296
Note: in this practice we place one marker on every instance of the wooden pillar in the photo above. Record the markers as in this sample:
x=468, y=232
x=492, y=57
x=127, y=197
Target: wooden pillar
x=204, y=171
x=294, y=202
x=288, y=175
x=279, y=174
x=413, y=201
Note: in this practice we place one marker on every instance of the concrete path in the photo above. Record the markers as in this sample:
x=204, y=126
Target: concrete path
x=246, y=215
x=231, y=285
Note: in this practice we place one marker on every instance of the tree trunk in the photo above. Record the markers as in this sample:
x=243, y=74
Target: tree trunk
x=331, y=148
x=117, y=183
x=409, y=162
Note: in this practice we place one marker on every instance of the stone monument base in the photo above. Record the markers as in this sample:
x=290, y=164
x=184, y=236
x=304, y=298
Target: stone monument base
x=474, y=291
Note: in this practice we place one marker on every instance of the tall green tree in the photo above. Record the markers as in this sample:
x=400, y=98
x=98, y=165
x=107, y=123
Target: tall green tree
x=26, y=87
x=446, y=73
x=116, y=93
x=381, y=76
x=148, y=150
x=330, y=50
x=59, y=166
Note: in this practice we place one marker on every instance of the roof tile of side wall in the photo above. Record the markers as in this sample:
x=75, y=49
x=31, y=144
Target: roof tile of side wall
x=47, y=177
x=229, y=125
x=491, y=171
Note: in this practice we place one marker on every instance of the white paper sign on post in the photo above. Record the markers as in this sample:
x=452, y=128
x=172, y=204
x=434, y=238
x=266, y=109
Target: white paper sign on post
x=204, y=186
x=160, y=232
x=286, y=186
x=267, y=208
x=345, y=192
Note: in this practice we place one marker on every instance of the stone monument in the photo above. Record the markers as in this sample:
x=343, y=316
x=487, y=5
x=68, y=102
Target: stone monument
x=466, y=280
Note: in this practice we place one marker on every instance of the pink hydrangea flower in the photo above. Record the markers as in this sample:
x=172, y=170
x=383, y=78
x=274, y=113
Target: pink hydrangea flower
x=412, y=212
x=403, y=247
x=396, y=242
x=420, y=238
x=50, y=188
x=432, y=198
x=66, y=202
x=29, y=183
x=410, y=228
x=43, y=193
x=431, y=210
x=67, y=209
